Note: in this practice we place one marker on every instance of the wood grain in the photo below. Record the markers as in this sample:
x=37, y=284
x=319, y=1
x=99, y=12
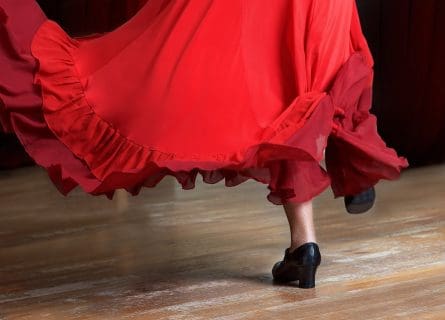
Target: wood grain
x=207, y=253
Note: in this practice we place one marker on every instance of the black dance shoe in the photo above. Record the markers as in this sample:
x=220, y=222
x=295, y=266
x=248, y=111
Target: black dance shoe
x=360, y=203
x=299, y=265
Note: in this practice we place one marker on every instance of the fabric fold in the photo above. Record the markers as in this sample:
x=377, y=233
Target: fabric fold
x=83, y=137
x=21, y=101
x=119, y=162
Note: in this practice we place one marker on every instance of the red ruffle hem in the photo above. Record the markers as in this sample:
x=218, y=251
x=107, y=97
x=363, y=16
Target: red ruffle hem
x=230, y=90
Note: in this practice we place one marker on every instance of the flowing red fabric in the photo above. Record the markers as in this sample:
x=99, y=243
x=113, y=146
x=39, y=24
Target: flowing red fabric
x=231, y=90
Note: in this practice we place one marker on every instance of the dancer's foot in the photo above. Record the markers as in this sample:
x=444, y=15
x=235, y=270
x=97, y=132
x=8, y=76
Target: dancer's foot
x=300, y=264
x=360, y=203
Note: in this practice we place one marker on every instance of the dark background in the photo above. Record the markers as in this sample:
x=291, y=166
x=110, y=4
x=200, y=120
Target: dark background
x=80, y=17
x=407, y=38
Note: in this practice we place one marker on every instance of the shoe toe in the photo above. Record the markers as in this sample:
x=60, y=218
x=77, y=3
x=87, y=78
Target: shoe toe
x=275, y=269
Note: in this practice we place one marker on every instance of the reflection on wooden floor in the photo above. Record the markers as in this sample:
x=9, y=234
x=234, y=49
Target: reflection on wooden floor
x=207, y=253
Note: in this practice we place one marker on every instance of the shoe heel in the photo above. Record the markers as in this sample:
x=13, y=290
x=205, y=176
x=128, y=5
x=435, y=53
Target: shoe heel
x=306, y=277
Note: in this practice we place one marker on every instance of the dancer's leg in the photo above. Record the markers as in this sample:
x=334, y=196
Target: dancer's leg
x=301, y=223
x=303, y=257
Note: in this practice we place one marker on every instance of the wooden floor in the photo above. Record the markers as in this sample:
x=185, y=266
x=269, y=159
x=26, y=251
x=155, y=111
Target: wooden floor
x=207, y=253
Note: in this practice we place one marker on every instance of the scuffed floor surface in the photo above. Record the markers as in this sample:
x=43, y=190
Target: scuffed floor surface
x=207, y=253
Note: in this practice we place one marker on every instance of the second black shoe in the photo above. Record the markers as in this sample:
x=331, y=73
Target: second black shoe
x=360, y=203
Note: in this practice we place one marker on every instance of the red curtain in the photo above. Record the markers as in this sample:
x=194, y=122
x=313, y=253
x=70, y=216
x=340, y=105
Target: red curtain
x=81, y=17
x=12, y=154
x=408, y=41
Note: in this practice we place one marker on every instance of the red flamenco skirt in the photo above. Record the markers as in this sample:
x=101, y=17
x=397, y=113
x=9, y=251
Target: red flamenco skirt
x=229, y=89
